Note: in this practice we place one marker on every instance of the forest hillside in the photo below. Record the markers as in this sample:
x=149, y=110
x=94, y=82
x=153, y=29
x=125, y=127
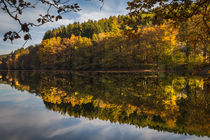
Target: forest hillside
x=107, y=44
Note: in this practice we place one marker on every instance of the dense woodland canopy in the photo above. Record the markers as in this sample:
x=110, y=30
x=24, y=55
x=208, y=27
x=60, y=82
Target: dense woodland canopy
x=136, y=41
x=176, y=104
x=113, y=44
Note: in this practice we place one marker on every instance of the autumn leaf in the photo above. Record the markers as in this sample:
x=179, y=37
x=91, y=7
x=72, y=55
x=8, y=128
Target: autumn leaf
x=58, y=17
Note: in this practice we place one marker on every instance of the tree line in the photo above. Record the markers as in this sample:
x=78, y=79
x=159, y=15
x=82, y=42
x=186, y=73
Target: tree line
x=108, y=44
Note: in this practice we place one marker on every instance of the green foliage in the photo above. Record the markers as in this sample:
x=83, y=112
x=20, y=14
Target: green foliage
x=87, y=29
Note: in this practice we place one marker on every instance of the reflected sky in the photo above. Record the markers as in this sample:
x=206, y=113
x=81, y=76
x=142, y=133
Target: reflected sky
x=24, y=116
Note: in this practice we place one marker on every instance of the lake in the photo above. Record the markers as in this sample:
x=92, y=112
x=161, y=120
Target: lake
x=62, y=105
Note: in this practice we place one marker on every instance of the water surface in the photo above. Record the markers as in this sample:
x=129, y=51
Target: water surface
x=63, y=105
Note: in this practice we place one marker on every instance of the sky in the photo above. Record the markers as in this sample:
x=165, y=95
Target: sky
x=90, y=10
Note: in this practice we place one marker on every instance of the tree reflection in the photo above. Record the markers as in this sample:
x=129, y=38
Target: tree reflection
x=176, y=104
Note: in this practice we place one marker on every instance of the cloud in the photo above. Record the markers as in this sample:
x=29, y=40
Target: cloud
x=7, y=23
x=90, y=10
x=28, y=118
x=110, y=8
x=58, y=23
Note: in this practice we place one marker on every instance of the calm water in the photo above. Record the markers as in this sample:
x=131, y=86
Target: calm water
x=91, y=106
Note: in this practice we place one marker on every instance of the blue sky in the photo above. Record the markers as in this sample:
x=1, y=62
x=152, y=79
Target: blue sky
x=90, y=10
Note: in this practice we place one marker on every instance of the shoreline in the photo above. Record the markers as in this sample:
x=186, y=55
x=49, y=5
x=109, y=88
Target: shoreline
x=96, y=71
x=122, y=71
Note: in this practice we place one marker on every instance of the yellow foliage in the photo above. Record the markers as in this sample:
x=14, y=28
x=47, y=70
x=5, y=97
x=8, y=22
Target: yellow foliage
x=179, y=83
x=17, y=83
x=171, y=123
x=196, y=83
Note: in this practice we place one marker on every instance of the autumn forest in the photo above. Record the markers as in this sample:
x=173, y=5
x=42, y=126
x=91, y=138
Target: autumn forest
x=111, y=44
x=141, y=71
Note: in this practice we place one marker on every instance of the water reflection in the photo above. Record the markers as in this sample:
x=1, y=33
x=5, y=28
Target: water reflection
x=174, y=104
